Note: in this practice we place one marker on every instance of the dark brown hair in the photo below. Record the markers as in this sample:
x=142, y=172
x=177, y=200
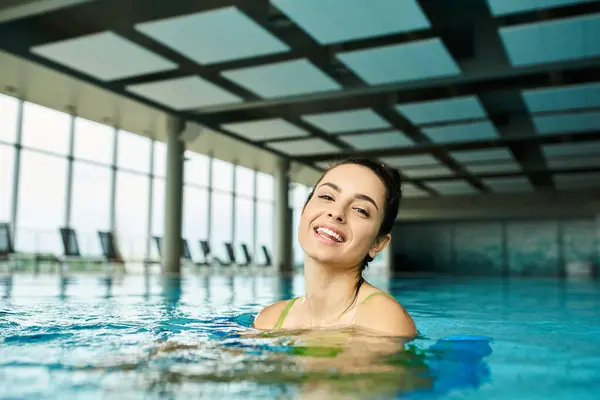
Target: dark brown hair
x=393, y=194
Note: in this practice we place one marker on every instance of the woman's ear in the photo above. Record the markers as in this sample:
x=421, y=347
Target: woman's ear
x=379, y=245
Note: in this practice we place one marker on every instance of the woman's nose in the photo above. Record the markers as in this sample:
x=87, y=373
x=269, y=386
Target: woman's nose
x=338, y=216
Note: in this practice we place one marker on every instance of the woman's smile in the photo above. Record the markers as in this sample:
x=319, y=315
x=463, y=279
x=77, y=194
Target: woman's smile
x=329, y=234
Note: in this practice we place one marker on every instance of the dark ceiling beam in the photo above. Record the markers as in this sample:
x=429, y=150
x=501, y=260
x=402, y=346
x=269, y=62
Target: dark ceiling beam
x=549, y=14
x=566, y=137
x=524, y=78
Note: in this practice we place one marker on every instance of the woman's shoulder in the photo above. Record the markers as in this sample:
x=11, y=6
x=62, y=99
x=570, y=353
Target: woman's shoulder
x=268, y=316
x=380, y=311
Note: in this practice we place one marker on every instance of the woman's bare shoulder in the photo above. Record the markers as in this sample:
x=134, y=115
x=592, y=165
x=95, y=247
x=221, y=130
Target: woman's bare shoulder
x=385, y=314
x=268, y=316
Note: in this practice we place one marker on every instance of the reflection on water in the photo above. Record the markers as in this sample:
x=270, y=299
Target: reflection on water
x=151, y=337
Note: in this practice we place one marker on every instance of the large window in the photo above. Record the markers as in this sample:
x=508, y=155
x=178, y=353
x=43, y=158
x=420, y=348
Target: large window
x=264, y=234
x=7, y=160
x=160, y=159
x=265, y=186
x=134, y=152
x=196, y=169
x=221, y=223
x=299, y=196
x=45, y=129
x=244, y=181
x=93, y=141
x=41, y=207
x=244, y=211
x=222, y=175
x=195, y=223
x=244, y=225
x=90, y=209
x=158, y=213
x=9, y=107
x=132, y=214
x=246, y=217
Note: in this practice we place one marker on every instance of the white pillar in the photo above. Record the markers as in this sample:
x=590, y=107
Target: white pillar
x=283, y=221
x=171, y=252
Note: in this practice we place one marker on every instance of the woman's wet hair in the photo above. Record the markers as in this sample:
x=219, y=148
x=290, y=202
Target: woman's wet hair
x=393, y=194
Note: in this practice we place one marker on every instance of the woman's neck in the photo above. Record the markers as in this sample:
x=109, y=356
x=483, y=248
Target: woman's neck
x=329, y=289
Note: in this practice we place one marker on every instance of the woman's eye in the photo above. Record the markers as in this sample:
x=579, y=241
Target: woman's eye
x=362, y=211
x=325, y=197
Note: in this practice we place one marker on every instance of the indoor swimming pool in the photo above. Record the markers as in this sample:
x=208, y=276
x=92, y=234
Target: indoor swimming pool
x=149, y=337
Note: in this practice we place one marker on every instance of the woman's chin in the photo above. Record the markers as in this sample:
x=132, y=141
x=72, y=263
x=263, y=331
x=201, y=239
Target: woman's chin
x=325, y=256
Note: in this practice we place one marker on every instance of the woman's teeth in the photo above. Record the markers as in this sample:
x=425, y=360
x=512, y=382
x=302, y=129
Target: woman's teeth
x=330, y=233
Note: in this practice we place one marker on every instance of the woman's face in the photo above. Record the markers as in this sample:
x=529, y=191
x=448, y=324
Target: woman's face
x=340, y=223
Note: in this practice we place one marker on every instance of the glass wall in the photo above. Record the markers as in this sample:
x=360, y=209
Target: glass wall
x=298, y=198
x=244, y=212
x=115, y=180
x=265, y=214
x=7, y=161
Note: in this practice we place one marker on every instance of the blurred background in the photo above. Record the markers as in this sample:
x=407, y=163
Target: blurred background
x=489, y=109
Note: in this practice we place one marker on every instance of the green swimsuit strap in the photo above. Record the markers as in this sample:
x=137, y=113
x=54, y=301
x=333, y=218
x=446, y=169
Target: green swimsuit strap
x=376, y=293
x=285, y=312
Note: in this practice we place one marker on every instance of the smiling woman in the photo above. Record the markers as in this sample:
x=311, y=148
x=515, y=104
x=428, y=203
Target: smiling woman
x=346, y=221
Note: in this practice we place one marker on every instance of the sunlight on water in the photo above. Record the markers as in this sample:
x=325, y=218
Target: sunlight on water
x=150, y=338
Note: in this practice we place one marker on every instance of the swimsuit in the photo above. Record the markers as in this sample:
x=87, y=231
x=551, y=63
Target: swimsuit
x=291, y=303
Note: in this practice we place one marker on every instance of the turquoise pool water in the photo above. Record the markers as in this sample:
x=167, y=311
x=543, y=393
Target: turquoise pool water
x=146, y=337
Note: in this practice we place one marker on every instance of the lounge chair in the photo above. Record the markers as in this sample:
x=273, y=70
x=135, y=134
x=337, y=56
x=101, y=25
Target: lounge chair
x=208, y=256
x=71, y=251
x=186, y=254
x=7, y=250
x=110, y=250
x=247, y=255
x=268, y=260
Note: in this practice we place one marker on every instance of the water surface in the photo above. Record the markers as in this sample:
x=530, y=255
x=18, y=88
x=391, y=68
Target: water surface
x=148, y=337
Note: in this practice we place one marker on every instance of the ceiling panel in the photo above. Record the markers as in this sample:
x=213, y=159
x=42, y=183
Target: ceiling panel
x=493, y=167
x=509, y=185
x=427, y=172
x=265, y=129
x=574, y=162
x=401, y=63
x=409, y=190
x=456, y=187
x=289, y=78
x=503, y=7
x=184, y=93
x=333, y=21
x=563, y=98
x=566, y=123
x=576, y=181
x=383, y=140
x=571, y=149
x=462, y=132
x=443, y=110
x=214, y=36
x=469, y=156
x=553, y=41
x=343, y=121
x=410, y=161
x=95, y=55
x=304, y=147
